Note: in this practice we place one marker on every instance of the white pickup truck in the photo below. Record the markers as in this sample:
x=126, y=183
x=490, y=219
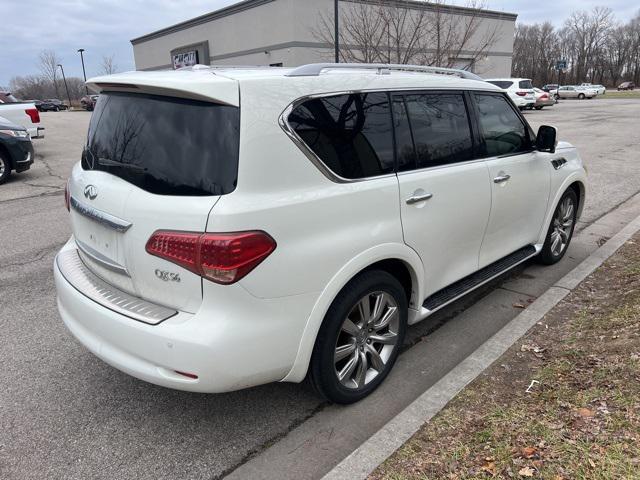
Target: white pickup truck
x=24, y=114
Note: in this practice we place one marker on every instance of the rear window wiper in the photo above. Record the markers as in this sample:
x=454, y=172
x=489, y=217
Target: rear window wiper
x=107, y=162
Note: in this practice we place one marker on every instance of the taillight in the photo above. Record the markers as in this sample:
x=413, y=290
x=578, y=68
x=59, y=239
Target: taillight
x=34, y=114
x=521, y=94
x=67, y=197
x=544, y=97
x=223, y=258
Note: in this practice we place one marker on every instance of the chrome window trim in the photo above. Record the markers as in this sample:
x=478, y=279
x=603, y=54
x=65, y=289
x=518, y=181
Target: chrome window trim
x=99, y=216
x=73, y=269
x=283, y=121
x=101, y=259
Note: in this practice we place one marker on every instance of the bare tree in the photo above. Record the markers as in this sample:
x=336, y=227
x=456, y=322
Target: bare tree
x=404, y=31
x=595, y=47
x=108, y=66
x=48, y=64
x=589, y=31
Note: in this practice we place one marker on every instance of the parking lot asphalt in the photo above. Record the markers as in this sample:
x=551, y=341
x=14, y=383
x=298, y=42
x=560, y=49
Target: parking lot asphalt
x=65, y=414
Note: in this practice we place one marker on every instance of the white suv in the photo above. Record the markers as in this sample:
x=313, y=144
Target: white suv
x=233, y=227
x=520, y=90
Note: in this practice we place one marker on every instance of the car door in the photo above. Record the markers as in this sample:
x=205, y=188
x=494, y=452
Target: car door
x=445, y=194
x=519, y=178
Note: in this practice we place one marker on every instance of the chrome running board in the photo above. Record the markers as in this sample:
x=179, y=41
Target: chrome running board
x=460, y=288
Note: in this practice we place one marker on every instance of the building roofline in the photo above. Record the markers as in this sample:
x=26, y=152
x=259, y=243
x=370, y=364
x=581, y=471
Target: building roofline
x=426, y=5
x=249, y=4
x=206, y=18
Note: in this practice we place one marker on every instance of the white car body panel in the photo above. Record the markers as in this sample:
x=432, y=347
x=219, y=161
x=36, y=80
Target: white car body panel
x=521, y=101
x=263, y=328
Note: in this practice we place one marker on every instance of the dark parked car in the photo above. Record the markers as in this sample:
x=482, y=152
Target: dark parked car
x=45, y=106
x=626, y=86
x=58, y=103
x=88, y=102
x=16, y=150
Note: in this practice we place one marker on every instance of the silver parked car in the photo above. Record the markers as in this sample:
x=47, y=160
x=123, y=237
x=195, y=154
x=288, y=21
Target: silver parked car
x=572, y=91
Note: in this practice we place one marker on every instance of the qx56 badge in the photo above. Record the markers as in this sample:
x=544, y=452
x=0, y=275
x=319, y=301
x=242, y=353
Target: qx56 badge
x=167, y=276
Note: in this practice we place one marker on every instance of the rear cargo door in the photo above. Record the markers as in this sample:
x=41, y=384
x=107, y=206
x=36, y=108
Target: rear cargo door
x=151, y=163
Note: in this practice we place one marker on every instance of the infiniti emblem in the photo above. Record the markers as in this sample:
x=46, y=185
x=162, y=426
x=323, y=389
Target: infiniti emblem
x=90, y=192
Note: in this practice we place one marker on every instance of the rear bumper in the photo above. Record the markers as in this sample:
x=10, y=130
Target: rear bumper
x=237, y=343
x=36, y=132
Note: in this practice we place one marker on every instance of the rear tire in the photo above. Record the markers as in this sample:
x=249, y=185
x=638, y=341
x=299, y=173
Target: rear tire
x=539, y=108
x=581, y=96
x=5, y=167
x=360, y=338
x=560, y=230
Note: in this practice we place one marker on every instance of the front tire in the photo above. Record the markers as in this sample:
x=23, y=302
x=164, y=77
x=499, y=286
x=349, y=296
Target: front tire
x=581, y=96
x=538, y=108
x=561, y=229
x=360, y=338
x=5, y=168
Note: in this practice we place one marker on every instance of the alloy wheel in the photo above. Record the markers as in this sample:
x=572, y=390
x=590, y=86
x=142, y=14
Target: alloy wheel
x=562, y=227
x=367, y=339
x=3, y=166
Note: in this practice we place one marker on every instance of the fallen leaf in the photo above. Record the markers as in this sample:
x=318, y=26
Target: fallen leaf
x=586, y=413
x=489, y=467
x=526, y=472
x=592, y=463
x=529, y=452
x=518, y=305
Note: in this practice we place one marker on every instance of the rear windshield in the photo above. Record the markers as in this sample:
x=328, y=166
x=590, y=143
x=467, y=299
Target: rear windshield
x=165, y=145
x=502, y=84
x=526, y=84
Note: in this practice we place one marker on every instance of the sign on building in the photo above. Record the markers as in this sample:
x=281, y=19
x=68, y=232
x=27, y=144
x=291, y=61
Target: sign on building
x=185, y=59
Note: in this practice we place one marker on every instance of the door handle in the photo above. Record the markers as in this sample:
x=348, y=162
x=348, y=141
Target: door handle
x=501, y=178
x=419, y=198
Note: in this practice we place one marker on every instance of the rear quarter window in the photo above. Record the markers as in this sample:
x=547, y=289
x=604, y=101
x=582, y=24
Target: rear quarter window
x=526, y=84
x=502, y=84
x=165, y=145
x=351, y=134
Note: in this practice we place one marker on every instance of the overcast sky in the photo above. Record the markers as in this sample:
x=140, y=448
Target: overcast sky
x=104, y=27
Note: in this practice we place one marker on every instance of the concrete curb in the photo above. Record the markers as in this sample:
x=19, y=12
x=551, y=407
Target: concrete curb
x=366, y=458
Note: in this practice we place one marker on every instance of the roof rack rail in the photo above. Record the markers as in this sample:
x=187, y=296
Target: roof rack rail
x=315, y=69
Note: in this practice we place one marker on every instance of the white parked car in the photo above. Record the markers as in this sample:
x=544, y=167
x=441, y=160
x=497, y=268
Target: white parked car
x=234, y=227
x=519, y=89
x=600, y=89
x=573, y=91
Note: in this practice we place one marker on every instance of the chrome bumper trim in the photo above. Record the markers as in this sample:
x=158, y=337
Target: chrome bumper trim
x=86, y=282
x=101, y=259
x=99, y=216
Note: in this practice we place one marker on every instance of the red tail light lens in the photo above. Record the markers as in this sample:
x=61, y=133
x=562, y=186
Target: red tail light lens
x=34, y=114
x=223, y=258
x=521, y=94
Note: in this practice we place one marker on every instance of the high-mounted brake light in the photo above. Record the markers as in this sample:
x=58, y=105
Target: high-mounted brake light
x=222, y=258
x=33, y=114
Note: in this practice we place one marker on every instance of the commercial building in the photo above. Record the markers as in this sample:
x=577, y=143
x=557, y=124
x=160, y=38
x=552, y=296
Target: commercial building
x=286, y=32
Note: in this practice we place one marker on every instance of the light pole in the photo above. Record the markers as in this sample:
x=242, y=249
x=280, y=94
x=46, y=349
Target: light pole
x=337, y=30
x=84, y=74
x=65, y=85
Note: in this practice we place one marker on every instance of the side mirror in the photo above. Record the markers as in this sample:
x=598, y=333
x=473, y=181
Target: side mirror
x=547, y=139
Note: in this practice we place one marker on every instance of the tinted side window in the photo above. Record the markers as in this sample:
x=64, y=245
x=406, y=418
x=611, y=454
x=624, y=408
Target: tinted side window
x=351, y=134
x=440, y=127
x=501, y=128
x=502, y=84
x=526, y=84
